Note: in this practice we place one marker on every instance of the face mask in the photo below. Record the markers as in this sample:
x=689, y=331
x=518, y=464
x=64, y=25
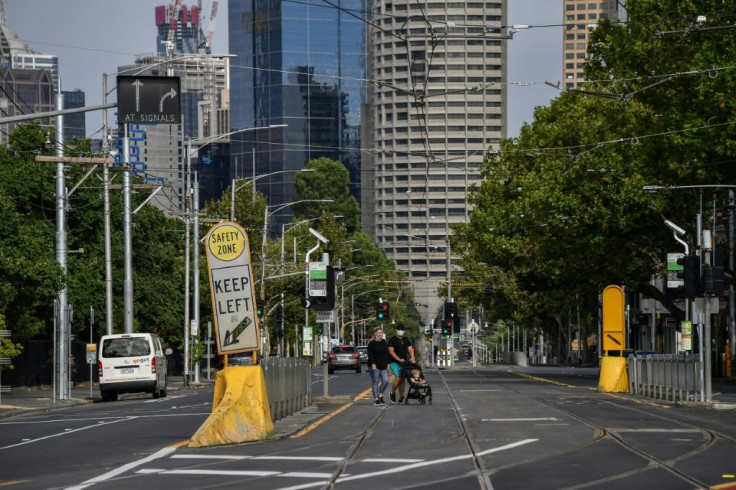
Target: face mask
x=400, y=333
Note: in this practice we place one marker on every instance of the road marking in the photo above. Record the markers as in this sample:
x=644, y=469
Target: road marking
x=213, y=472
x=347, y=477
x=532, y=419
x=390, y=460
x=327, y=417
x=165, y=399
x=482, y=391
x=209, y=456
x=126, y=467
x=65, y=432
x=13, y=482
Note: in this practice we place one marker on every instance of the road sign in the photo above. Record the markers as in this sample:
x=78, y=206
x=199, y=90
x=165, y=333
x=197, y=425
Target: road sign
x=673, y=281
x=232, y=289
x=91, y=353
x=613, y=319
x=149, y=100
x=326, y=316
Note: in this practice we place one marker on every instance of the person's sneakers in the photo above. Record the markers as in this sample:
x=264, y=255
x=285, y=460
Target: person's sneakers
x=392, y=395
x=381, y=401
x=401, y=400
x=377, y=402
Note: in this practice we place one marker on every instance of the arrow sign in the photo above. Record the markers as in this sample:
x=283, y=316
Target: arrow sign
x=150, y=100
x=171, y=93
x=137, y=84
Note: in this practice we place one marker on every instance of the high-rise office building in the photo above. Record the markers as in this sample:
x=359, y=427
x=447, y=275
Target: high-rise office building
x=580, y=16
x=439, y=103
x=302, y=64
x=74, y=124
x=25, y=92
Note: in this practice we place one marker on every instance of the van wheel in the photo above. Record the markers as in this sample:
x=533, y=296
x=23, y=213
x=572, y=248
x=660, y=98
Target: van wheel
x=109, y=396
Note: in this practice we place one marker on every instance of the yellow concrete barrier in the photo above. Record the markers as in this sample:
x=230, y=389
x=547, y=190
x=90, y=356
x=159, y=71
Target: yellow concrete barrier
x=614, y=378
x=240, y=411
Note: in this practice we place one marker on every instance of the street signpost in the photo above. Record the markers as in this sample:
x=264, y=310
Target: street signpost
x=148, y=100
x=232, y=289
x=614, y=324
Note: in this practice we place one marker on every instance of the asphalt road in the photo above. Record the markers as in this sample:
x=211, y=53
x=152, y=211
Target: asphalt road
x=485, y=428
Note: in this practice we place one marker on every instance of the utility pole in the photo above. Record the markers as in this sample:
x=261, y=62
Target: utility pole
x=62, y=383
x=106, y=213
x=195, y=243
x=127, y=237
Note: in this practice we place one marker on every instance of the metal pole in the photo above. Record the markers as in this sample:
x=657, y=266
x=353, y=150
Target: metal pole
x=127, y=238
x=91, y=341
x=106, y=213
x=232, y=201
x=731, y=265
x=253, y=195
x=195, y=272
x=61, y=250
x=186, y=263
x=699, y=228
x=262, y=295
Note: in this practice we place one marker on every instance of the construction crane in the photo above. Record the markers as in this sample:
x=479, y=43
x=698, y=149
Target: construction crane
x=211, y=25
x=174, y=9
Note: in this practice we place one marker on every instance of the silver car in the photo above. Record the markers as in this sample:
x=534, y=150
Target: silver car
x=344, y=357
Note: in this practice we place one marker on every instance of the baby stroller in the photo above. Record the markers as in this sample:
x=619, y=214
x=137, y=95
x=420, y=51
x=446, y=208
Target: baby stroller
x=419, y=388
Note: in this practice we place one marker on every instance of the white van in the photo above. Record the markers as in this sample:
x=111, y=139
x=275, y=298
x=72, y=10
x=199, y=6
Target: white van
x=131, y=363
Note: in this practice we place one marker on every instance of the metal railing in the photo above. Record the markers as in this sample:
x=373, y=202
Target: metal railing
x=288, y=383
x=670, y=377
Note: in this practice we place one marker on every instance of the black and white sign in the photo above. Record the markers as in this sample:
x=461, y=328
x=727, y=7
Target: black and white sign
x=149, y=100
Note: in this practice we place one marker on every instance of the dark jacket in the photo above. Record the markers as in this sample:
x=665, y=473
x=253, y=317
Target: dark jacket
x=378, y=354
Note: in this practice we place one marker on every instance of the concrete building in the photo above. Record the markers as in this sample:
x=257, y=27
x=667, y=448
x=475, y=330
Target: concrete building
x=580, y=16
x=439, y=103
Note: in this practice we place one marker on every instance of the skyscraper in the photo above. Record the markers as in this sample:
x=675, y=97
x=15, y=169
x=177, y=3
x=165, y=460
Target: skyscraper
x=74, y=124
x=302, y=64
x=579, y=17
x=439, y=102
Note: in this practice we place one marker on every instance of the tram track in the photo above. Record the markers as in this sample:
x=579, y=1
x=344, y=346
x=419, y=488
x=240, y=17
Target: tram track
x=710, y=438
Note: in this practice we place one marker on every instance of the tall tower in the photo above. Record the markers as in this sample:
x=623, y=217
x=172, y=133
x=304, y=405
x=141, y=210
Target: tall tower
x=439, y=101
x=579, y=17
x=301, y=64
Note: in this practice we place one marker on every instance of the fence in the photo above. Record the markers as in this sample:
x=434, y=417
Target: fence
x=288, y=383
x=671, y=377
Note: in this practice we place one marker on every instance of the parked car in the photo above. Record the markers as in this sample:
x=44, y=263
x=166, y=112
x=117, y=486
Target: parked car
x=344, y=357
x=363, y=352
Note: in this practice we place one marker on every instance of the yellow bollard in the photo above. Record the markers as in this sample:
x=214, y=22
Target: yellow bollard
x=240, y=410
x=614, y=378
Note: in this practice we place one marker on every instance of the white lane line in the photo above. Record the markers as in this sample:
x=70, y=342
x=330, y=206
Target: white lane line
x=305, y=474
x=209, y=456
x=390, y=460
x=534, y=419
x=126, y=467
x=481, y=391
x=65, y=432
x=165, y=399
x=213, y=472
x=399, y=469
x=277, y=458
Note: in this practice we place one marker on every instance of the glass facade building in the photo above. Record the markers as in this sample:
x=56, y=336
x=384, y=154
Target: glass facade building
x=302, y=64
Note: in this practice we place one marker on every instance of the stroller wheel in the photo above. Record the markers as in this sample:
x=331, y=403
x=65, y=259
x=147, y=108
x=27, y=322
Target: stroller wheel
x=421, y=402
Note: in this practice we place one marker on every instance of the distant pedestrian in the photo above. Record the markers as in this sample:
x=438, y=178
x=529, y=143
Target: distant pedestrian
x=378, y=363
x=400, y=350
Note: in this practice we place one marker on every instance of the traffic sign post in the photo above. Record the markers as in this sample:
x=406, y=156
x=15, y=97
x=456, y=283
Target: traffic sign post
x=232, y=289
x=148, y=100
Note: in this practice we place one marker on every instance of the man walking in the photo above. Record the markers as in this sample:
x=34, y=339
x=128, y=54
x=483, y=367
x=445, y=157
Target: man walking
x=399, y=349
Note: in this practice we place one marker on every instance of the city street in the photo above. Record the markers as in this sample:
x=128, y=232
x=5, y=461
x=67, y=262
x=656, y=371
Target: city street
x=486, y=428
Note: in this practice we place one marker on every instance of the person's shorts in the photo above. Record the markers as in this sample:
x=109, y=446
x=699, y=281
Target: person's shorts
x=397, y=370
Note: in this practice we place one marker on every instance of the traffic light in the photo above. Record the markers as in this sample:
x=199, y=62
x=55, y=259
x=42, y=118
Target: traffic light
x=447, y=327
x=690, y=275
x=259, y=312
x=383, y=311
x=279, y=315
x=453, y=315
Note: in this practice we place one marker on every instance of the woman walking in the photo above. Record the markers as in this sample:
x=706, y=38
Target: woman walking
x=378, y=362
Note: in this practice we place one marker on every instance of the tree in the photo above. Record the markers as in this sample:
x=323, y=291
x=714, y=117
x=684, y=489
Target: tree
x=330, y=180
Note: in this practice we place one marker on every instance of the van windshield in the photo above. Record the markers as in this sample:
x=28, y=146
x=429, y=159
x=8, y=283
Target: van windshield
x=127, y=347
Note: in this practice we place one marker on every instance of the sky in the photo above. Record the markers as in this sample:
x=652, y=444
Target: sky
x=93, y=37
